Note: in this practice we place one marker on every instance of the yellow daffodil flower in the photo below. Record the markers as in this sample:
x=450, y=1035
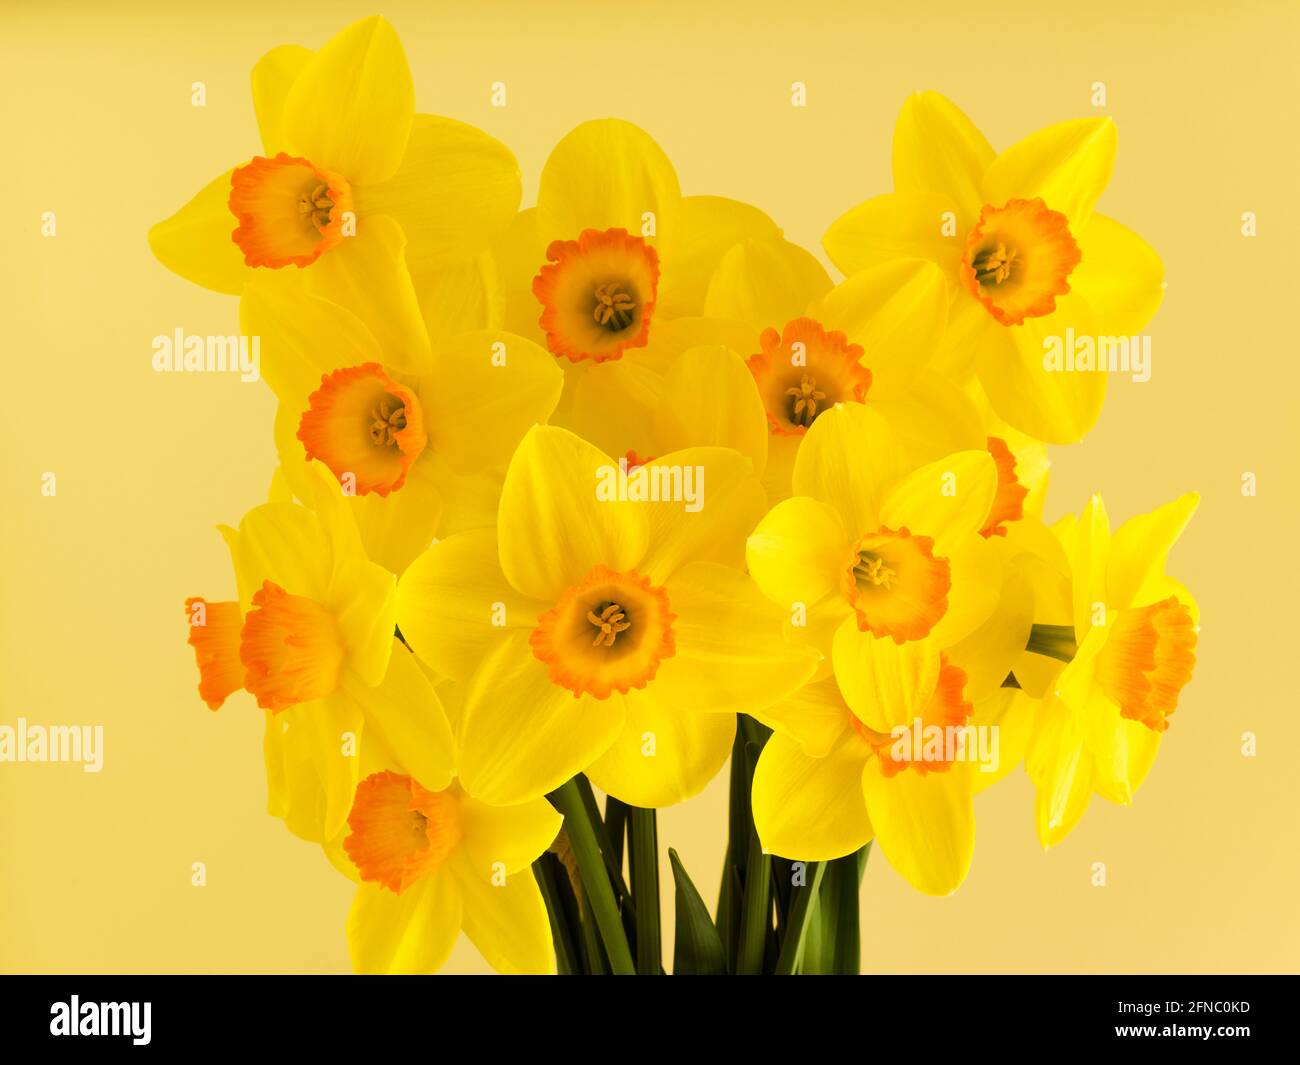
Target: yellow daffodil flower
x=311, y=638
x=605, y=625
x=1026, y=254
x=1128, y=634
x=354, y=187
x=419, y=448
x=870, y=546
x=616, y=273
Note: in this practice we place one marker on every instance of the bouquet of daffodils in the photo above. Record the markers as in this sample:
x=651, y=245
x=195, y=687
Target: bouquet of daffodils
x=579, y=504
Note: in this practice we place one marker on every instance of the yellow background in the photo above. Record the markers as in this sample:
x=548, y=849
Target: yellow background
x=97, y=126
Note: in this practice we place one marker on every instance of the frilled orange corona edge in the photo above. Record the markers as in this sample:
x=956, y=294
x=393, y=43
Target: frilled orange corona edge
x=896, y=585
x=1018, y=259
x=1147, y=660
x=606, y=634
x=805, y=370
x=289, y=211
x=598, y=295
x=400, y=830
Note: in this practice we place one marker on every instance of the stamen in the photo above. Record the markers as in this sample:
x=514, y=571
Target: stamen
x=994, y=265
x=318, y=204
x=610, y=621
x=806, y=397
x=614, y=308
x=872, y=570
x=387, y=420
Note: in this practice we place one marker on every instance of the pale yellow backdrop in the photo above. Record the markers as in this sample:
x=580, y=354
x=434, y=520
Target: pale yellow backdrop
x=97, y=126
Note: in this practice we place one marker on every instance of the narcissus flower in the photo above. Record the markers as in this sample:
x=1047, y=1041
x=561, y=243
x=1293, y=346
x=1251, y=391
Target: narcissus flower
x=434, y=861
x=419, y=448
x=1128, y=634
x=870, y=546
x=613, y=256
x=1026, y=254
x=311, y=638
x=835, y=775
x=605, y=625
x=354, y=187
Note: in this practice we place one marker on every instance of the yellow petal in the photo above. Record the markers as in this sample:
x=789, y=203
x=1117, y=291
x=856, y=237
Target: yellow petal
x=523, y=735
x=1123, y=751
x=765, y=283
x=814, y=716
x=1088, y=565
x=1014, y=715
x=553, y=527
x=486, y=390
x=283, y=543
x=405, y=712
x=710, y=398
x=407, y=934
x=195, y=242
x=508, y=838
x=1061, y=770
x=931, y=418
x=898, y=225
x=1067, y=164
x=710, y=226
x=303, y=337
x=731, y=654
x=884, y=683
x=666, y=753
x=466, y=296
x=506, y=919
x=614, y=406
x=975, y=566
x=396, y=529
x=273, y=77
x=799, y=552
x=367, y=274
x=849, y=459
x=1140, y=551
x=608, y=174
x=988, y=654
x=351, y=107
x=811, y=809
x=1120, y=276
x=454, y=605
x=456, y=191
x=937, y=149
x=719, y=504
x=896, y=312
x=1055, y=405
x=948, y=500
x=925, y=823
x=311, y=765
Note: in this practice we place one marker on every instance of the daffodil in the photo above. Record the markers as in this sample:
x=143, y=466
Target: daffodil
x=354, y=188
x=617, y=273
x=605, y=625
x=311, y=638
x=434, y=861
x=418, y=447
x=1127, y=633
x=1027, y=256
x=871, y=547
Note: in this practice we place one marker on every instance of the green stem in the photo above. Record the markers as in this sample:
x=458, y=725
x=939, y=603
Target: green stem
x=804, y=901
x=1054, y=641
x=643, y=866
x=595, y=879
x=756, y=906
x=566, y=958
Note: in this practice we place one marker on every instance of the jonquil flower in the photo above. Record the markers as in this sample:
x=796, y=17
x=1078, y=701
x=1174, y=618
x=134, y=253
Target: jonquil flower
x=870, y=546
x=418, y=448
x=354, y=187
x=605, y=625
x=434, y=861
x=311, y=638
x=1026, y=254
x=1127, y=633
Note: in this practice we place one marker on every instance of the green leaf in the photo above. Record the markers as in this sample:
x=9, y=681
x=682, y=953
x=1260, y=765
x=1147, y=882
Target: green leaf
x=697, y=950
